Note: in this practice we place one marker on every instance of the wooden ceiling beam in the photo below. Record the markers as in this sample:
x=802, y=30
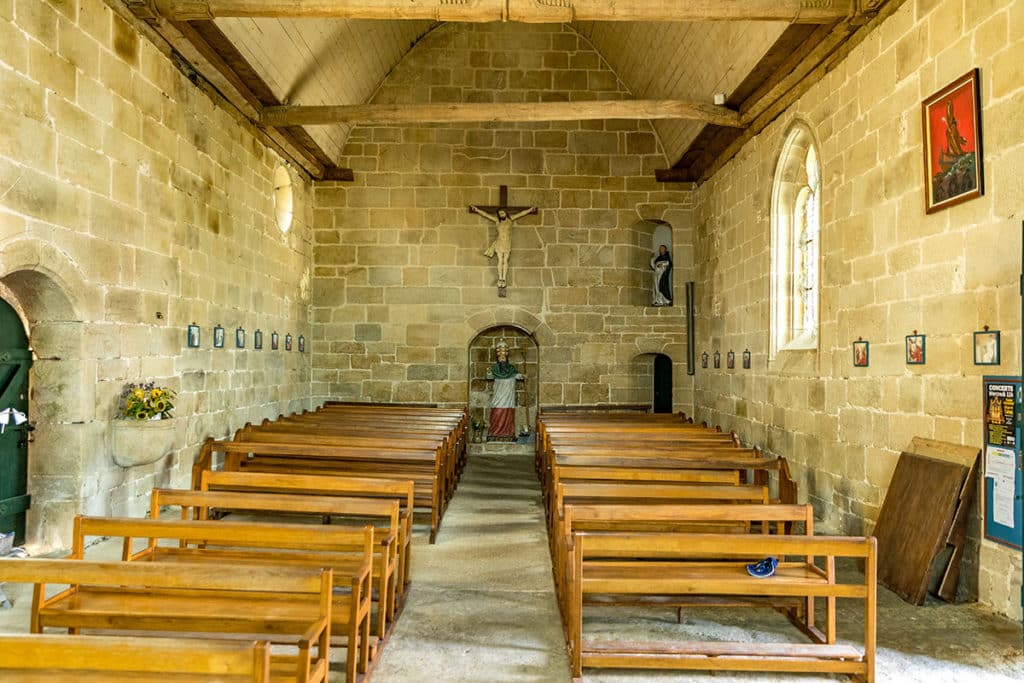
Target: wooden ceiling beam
x=796, y=69
x=525, y=11
x=484, y=112
x=761, y=113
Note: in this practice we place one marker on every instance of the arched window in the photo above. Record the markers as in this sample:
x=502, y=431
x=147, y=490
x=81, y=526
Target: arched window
x=796, y=221
x=283, y=201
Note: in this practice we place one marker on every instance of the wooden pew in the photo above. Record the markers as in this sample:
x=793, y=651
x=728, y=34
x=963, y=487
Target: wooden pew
x=230, y=546
x=424, y=460
x=679, y=466
x=400, y=417
x=281, y=604
x=383, y=438
x=39, y=658
x=604, y=493
x=690, y=518
x=584, y=492
x=616, y=436
x=383, y=514
x=648, y=565
x=380, y=489
x=422, y=468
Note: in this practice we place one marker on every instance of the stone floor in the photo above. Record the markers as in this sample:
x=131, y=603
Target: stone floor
x=481, y=609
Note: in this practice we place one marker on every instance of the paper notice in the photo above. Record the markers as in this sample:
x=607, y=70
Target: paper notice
x=1000, y=463
x=1002, y=501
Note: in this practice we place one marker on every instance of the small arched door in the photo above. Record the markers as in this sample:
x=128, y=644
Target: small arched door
x=15, y=360
x=662, y=384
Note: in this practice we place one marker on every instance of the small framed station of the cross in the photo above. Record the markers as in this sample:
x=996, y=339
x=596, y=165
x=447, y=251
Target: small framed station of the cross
x=503, y=216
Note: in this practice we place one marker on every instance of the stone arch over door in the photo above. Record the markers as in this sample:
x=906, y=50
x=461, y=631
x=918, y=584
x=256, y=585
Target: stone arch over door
x=642, y=373
x=51, y=298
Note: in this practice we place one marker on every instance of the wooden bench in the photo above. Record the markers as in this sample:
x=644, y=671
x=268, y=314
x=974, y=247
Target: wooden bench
x=383, y=514
x=690, y=518
x=398, y=420
x=282, y=604
x=39, y=658
x=773, y=472
x=582, y=492
x=377, y=489
x=629, y=494
x=648, y=565
x=231, y=546
x=622, y=438
x=423, y=468
x=423, y=460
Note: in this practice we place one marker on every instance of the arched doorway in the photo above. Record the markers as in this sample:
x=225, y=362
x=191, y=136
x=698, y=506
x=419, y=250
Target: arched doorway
x=62, y=392
x=523, y=352
x=15, y=361
x=662, y=393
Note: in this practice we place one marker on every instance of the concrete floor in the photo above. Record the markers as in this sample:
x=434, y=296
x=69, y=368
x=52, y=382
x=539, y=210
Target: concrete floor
x=481, y=609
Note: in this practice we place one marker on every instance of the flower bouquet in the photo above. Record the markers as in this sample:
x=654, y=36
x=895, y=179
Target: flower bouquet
x=146, y=402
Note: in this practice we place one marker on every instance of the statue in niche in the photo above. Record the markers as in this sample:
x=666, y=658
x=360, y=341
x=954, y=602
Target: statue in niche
x=502, y=423
x=662, y=283
x=502, y=245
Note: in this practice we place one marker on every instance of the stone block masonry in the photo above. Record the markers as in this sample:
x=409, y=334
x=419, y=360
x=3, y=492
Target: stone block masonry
x=400, y=277
x=887, y=269
x=125, y=191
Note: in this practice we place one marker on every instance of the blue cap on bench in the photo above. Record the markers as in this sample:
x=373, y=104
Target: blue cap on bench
x=764, y=568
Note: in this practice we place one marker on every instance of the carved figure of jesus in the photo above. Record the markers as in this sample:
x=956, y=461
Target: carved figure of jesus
x=502, y=245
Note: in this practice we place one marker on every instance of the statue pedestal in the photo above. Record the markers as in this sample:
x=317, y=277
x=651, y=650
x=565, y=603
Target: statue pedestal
x=524, y=448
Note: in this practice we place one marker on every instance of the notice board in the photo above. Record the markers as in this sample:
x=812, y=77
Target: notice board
x=1002, y=459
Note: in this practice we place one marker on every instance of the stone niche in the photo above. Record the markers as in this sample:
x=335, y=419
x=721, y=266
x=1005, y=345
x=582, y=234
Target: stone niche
x=524, y=354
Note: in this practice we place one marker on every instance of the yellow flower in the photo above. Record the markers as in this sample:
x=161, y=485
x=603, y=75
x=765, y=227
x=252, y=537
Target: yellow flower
x=138, y=393
x=157, y=393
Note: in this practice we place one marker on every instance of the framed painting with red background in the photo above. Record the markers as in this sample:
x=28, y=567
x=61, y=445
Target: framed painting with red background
x=952, y=144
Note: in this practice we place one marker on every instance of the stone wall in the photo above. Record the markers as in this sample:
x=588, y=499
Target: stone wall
x=887, y=269
x=131, y=205
x=401, y=285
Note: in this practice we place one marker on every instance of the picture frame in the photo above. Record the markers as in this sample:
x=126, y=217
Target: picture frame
x=193, y=336
x=861, y=354
x=275, y=341
x=915, y=349
x=288, y=342
x=730, y=360
x=987, y=347
x=718, y=360
x=746, y=359
x=951, y=130
x=218, y=337
x=302, y=344
x=704, y=360
x=257, y=340
x=240, y=338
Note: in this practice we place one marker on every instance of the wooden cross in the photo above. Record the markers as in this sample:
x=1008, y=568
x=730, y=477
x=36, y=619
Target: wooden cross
x=502, y=246
x=502, y=203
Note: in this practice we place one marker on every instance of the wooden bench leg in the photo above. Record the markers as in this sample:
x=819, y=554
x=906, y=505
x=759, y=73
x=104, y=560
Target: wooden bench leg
x=575, y=614
x=435, y=515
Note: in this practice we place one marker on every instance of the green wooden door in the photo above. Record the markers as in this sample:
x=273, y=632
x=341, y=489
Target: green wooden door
x=15, y=360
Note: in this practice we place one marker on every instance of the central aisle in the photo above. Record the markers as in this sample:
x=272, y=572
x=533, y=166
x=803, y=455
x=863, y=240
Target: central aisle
x=482, y=605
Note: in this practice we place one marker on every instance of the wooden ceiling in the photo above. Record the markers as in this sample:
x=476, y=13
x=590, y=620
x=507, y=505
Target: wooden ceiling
x=305, y=71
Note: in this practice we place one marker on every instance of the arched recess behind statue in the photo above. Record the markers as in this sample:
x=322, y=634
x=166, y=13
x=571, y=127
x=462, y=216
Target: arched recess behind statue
x=524, y=353
x=662, y=287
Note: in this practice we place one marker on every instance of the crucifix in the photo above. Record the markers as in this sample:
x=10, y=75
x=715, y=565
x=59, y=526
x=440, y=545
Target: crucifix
x=503, y=216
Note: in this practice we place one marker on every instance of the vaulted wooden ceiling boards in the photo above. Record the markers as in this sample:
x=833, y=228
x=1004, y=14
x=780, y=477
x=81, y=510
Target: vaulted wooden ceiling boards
x=306, y=72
